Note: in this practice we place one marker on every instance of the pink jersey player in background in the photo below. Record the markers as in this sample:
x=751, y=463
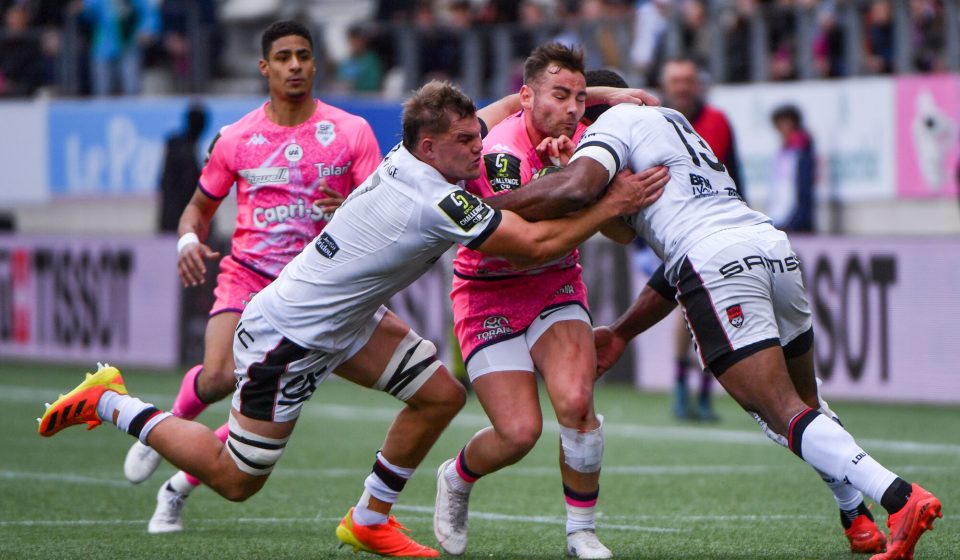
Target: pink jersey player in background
x=294, y=159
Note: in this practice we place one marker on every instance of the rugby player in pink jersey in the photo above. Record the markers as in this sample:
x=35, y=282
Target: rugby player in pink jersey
x=511, y=322
x=293, y=159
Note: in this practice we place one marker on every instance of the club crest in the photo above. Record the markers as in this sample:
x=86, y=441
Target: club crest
x=735, y=315
x=326, y=133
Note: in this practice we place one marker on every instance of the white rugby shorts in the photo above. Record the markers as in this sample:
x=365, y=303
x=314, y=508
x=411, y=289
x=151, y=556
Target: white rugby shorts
x=741, y=291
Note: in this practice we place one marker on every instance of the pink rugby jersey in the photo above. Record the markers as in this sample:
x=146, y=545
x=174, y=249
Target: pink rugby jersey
x=278, y=170
x=510, y=160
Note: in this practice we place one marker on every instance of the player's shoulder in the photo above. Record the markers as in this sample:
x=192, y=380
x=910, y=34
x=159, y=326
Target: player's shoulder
x=507, y=136
x=328, y=112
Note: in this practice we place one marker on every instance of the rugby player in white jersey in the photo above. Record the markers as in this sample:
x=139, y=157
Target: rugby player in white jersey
x=324, y=314
x=739, y=284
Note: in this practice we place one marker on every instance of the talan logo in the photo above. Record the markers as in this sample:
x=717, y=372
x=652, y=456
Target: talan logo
x=326, y=133
x=266, y=176
x=326, y=246
x=735, y=315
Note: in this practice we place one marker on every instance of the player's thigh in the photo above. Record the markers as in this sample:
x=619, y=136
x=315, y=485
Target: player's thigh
x=218, y=344
x=393, y=358
x=760, y=383
x=511, y=402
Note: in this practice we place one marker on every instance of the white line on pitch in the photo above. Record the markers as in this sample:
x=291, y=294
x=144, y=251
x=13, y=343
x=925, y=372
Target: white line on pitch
x=538, y=519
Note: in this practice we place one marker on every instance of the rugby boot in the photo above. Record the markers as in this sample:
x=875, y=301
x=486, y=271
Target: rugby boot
x=585, y=544
x=79, y=406
x=865, y=536
x=906, y=526
x=387, y=539
x=450, y=514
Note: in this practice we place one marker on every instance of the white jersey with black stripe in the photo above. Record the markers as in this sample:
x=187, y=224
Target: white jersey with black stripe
x=387, y=233
x=700, y=199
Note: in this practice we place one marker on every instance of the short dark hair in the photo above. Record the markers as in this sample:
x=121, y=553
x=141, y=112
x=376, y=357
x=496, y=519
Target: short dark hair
x=788, y=112
x=283, y=28
x=429, y=110
x=602, y=77
x=542, y=57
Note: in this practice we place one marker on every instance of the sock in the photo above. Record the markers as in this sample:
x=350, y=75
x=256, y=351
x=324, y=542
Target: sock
x=680, y=372
x=706, y=380
x=108, y=404
x=134, y=416
x=849, y=499
x=458, y=475
x=581, y=508
x=188, y=403
x=222, y=432
x=180, y=484
x=896, y=495
x=828, y=447
x=384, y=483
x=848, y=515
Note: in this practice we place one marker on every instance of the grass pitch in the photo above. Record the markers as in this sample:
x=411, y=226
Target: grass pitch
x=668, y=490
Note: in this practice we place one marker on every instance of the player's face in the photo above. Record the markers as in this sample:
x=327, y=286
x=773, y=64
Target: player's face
x=456, y=152
x=556, y=101
x=681, y=86
x=290, y=68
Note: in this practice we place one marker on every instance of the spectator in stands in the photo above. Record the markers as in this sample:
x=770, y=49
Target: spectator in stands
x=790, y=200
x=362, y=70
x=829, y=50
x=178, y=18
x=181, y=170
x=649, y=25
x=696, y=35
x=878, y=32
x=928, y=35
x=683, y=91
x=782, y=39
x=121, y=30
x=738, y=32
x=21, y=71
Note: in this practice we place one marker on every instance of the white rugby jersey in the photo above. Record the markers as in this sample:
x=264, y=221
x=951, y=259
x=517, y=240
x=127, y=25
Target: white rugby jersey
x=387, y=233
x=699, y=200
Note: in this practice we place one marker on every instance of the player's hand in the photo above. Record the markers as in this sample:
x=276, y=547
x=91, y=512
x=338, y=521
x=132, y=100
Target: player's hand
x=331, y=202
x=190, y=264
x=610, y=347
x=631, y=192
x=556, y=151
x=616, y=96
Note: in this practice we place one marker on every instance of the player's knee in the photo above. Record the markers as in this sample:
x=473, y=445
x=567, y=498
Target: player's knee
x=520, y=436
x=583, y=450
x=573, y=408
x=415, y=375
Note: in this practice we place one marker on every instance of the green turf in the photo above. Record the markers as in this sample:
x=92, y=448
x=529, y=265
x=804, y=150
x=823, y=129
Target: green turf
x=668, y=491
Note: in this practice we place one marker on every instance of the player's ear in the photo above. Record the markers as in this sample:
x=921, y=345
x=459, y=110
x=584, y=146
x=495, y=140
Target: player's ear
x=526, y=97
x=263, y=67
x=426, y=147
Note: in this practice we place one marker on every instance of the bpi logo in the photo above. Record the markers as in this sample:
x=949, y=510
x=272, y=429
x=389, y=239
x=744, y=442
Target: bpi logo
x=326, y=133
x=735, y=315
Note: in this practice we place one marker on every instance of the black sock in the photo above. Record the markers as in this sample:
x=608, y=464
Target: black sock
x=848, y=515
x=896, y=496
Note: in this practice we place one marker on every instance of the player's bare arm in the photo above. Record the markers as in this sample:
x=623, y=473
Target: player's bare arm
x=529, y=244
x=649, y=309
x=196, y=220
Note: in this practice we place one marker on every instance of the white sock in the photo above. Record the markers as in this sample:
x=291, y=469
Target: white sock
x=847, y=497
x=453, y=478
x=364, y=516
x=180, y=484
x=108, y=404
x=833, y=451
x=580, y=518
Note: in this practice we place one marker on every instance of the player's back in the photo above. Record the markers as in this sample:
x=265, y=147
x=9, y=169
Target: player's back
x=701, y=199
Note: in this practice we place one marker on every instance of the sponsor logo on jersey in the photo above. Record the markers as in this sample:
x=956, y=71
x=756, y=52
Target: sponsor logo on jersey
x=326, y=133
x=733, y=268
x=300, y=387
x=256, y=140
x=735, y=315
x=266, y=175
x=503, y=171
x=464, y=209
x=293, y=152
x=326, y=246
x=496, y=326
x=264, y=216
x=324, y=170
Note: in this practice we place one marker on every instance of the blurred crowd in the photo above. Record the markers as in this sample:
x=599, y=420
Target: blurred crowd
x=106, y=44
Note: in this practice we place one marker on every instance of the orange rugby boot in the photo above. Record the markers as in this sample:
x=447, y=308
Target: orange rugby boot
x=865, y=536
x=79, y=406
x=387, y=539
x=909, y=523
